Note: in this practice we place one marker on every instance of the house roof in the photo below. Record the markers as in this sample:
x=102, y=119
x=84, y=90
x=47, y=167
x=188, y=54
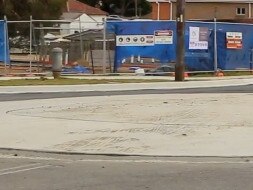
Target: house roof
x=70, y=15
x=160, y=1
x=204, y=1
x=219, y=1
x=79, y=7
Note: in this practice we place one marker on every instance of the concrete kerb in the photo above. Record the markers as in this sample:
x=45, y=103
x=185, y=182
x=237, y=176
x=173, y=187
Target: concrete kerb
x=116, y=154
x=169, y=78
x=193, y=83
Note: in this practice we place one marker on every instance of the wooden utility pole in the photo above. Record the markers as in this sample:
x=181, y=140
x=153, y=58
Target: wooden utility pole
x=180, y=50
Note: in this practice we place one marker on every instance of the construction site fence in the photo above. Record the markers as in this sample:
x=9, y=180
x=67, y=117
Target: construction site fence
x=30, y=44
x=30, y=51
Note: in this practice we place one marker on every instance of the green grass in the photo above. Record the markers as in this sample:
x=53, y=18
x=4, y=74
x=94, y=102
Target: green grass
x=228, y=73
x=238, y=73
x=68, y=81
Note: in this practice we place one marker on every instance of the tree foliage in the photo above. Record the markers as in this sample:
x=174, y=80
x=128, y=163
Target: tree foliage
x=14, y=9
x=39, y=9
x=23, y=9
x=52, y=9
x=121, y=7
x=47, y=9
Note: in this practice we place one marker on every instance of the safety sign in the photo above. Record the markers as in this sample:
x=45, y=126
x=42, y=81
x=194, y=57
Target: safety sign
x=163, y=37
x=135, y=40
x=234, y=40
x=198, y=38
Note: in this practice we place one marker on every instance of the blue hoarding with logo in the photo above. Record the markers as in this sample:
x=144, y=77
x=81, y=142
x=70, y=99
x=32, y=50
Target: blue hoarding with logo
x=199, y=49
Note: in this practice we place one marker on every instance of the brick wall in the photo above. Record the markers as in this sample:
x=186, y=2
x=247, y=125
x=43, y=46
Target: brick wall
x=204, y=11
x=164, y=11
x=201, y=11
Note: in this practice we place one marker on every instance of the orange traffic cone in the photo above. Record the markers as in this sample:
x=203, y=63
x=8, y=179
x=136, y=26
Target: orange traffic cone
x=219, y=73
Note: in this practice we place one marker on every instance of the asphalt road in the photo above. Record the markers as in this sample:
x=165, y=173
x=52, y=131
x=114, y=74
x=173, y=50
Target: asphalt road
x=50, y=95
x=64, y=172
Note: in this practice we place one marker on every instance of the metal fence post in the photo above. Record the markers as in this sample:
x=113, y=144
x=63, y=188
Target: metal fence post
x=104, y=47
x=81, y=39
x=215, y=46
x=5, y=44
x=251, y=61
x=31, y=38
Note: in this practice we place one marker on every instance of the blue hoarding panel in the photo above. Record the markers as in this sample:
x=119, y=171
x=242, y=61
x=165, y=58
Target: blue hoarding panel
x=165, y=53
x=195, y=59
x=230, y=59
x=4, y=48
x=199, y=59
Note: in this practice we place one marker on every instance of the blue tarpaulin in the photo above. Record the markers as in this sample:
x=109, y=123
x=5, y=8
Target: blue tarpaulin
x=195, y=59
x=4, y=47
x=76, y=69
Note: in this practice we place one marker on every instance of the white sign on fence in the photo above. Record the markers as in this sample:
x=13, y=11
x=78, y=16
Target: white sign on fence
x=198, y=38
x=163, y=37
x=135, y=40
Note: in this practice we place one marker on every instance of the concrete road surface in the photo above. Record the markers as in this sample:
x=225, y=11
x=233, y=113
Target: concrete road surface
x=190, y=123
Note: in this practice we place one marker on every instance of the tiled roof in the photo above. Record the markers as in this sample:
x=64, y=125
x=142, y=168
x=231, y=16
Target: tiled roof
x=159, y=1
x=77, y=6
x=204, y=1
x=219, y=1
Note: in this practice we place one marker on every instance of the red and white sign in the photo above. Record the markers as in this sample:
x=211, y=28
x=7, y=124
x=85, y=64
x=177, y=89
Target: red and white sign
x=234, y=40
x=163, y=37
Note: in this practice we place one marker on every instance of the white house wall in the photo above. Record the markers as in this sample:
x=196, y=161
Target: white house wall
x=65, y=29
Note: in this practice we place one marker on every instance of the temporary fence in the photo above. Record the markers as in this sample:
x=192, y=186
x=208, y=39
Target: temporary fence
x=209, y=46
x=31, y=42
x=4, y=46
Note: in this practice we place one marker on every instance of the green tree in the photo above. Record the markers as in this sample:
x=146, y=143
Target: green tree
x=39, y=9
x=121, y=7
x=14, y=9
x=23, y=9
x=46, y=9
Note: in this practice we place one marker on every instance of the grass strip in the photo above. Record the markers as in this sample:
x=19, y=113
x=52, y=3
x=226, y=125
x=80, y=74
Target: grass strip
x=69, y=81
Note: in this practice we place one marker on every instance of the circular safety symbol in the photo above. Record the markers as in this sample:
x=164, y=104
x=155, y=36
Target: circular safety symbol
x=142, y=39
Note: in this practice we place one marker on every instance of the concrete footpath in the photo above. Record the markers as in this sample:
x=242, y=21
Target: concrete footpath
x=158, y=124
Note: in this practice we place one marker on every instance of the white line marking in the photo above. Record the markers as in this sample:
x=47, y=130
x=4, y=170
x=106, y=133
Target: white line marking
x=18, y=167
x=34, y=158
x=24, y=170
x=169, y=161
x=128, y=161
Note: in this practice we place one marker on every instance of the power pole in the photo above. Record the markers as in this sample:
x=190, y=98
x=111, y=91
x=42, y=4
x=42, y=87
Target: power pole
x=180, y=49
